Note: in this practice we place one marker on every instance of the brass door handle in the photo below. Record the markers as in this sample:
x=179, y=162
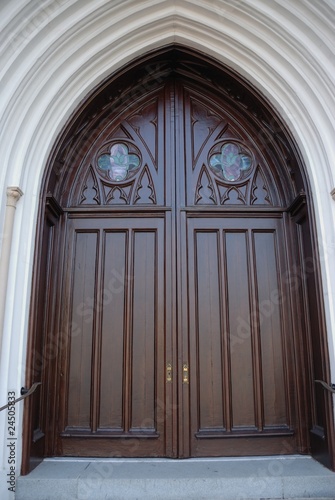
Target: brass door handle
x=168, y=372
x=185, y=374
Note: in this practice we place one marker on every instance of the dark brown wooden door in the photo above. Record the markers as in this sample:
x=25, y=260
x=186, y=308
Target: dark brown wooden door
x=179, y=338
x=240, y=336
x=236, y=304
x=115, y=387
x=176, y=307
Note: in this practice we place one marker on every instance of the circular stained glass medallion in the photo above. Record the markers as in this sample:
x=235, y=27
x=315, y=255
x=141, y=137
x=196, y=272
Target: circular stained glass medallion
x=232, y=164
x=119, y=164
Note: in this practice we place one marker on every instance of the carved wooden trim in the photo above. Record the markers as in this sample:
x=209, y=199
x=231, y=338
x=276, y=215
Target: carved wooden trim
x=53, y=206
x=298, y=204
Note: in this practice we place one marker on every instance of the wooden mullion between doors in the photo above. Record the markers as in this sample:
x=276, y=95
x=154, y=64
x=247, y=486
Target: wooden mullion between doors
x=170, y=320
x=181, y=264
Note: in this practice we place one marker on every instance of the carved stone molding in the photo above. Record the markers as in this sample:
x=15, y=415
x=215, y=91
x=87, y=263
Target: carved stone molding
x=13, y=195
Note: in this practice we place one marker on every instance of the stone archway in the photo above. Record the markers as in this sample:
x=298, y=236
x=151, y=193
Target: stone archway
x=283, y=49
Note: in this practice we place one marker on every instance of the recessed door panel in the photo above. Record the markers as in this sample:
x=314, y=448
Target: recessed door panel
x=144, y=330
x=83, y=290
x=113, y=300
x=209, y=325
x=274, y=406
x=239, y=310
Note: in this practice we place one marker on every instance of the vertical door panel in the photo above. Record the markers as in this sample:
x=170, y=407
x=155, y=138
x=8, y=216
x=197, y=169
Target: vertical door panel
x=144, y=330
x=113, y=335
x=83, y=292
x=273, y=382
x=209, y=328
x=241, y=356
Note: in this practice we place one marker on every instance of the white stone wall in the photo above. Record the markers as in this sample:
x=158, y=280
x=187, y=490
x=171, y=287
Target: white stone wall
x=52, y=52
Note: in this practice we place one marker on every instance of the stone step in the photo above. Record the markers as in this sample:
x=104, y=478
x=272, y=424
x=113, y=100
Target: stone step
x=293, y=477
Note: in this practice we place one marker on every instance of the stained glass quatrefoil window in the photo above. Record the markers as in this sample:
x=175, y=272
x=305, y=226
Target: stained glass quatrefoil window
x=232, y=164
x=119, y=164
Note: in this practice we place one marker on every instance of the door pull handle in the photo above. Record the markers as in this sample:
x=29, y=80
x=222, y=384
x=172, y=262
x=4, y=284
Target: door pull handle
x=185, y=374
x=168, y=372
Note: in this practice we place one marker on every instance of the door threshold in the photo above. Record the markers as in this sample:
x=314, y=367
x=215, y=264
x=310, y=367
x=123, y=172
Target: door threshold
x=179, y=460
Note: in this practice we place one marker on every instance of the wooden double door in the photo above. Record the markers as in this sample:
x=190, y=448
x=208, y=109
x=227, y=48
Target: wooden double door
x=175, y=299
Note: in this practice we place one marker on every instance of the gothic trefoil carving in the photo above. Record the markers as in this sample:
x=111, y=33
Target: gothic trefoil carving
x=120, y=175
x=118, y=195
x=145, y=191
x=259, y=191
x=90, y=191
x=205, y=192
x=231, y=177
x=233, y=196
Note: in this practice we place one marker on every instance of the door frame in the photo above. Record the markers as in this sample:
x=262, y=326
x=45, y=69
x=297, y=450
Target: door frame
x=43, y=349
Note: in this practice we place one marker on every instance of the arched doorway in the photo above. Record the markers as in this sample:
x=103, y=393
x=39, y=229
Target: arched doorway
x=176, y=278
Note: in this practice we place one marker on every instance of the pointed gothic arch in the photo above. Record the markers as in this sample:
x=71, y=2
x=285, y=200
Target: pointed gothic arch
x=223, y=110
